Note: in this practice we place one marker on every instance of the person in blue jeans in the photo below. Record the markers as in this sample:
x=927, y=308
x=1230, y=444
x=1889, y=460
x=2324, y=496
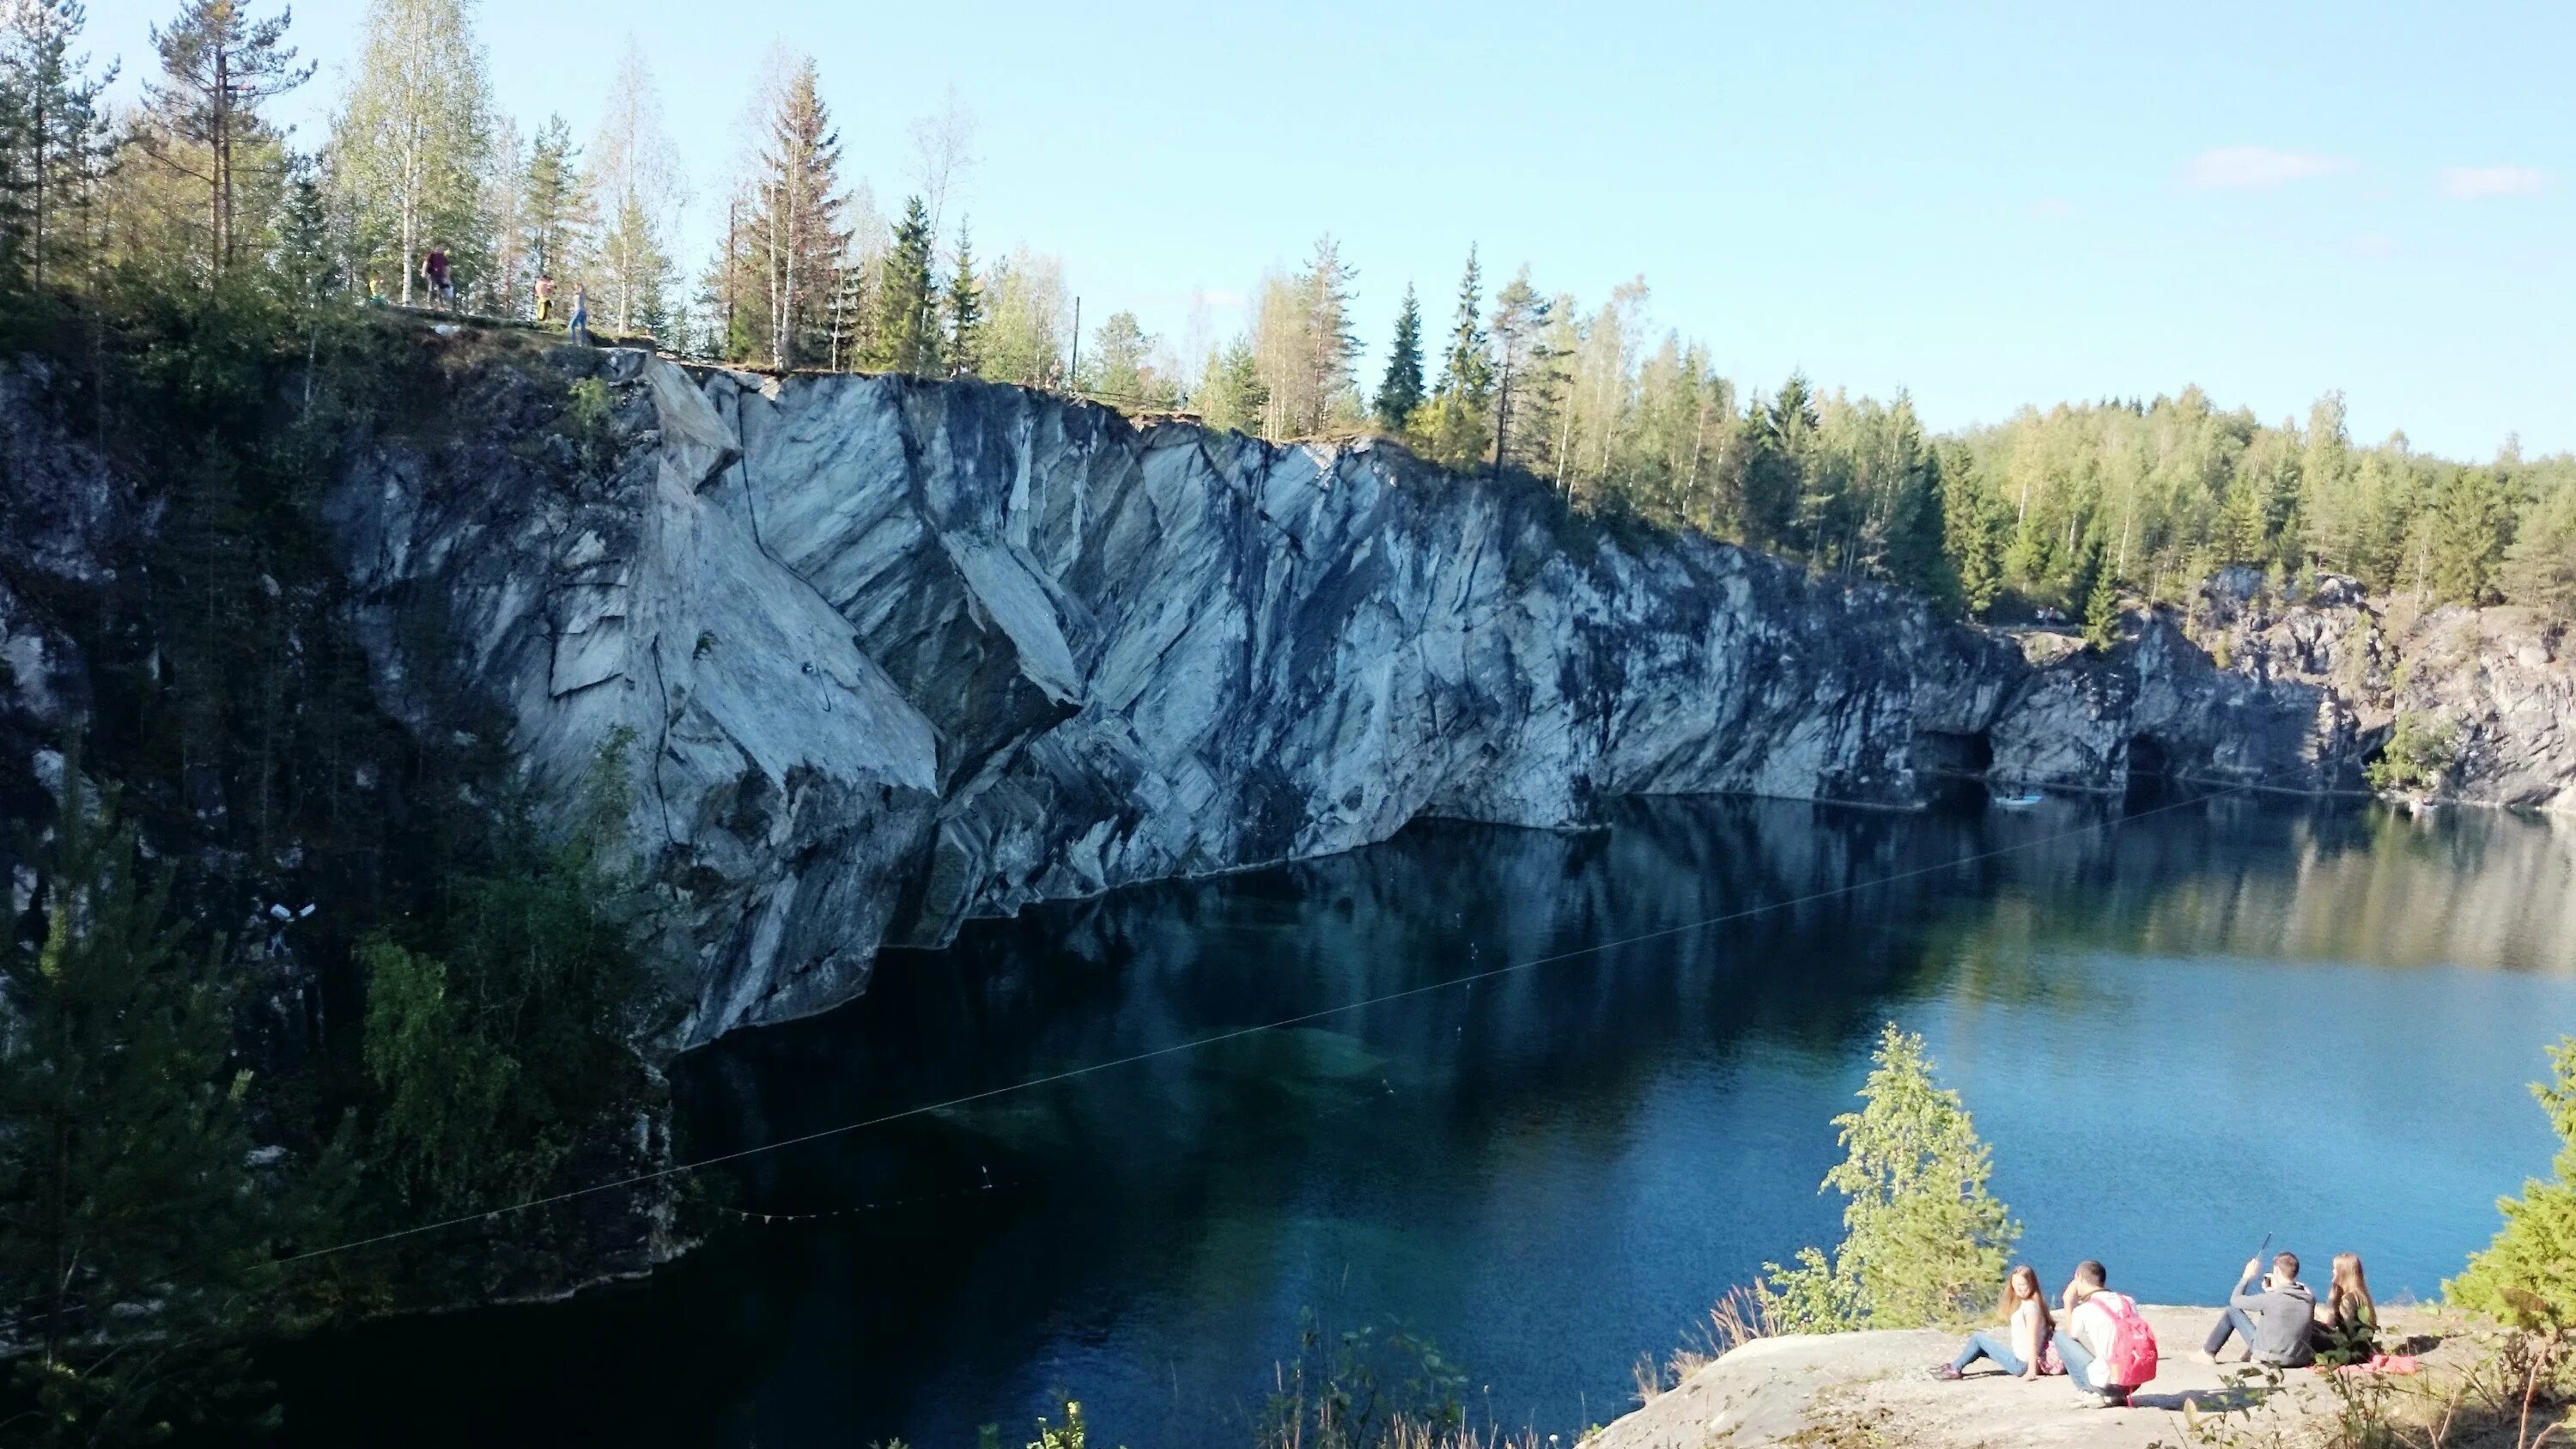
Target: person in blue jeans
x=2275, y=1321
x=2023, y=1344
x=2091, y=1329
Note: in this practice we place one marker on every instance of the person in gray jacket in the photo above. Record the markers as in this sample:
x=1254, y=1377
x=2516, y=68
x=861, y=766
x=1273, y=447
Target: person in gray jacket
x=2274, y=1322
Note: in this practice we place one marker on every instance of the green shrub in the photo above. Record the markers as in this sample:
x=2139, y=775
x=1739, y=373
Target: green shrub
x=1924, y=1242
x=2418, y=755
x=2527, y=1276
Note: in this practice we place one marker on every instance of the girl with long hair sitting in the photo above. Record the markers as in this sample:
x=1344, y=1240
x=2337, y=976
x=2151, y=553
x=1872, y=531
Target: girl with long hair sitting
x=2020, y=1349
x=2347, y=1330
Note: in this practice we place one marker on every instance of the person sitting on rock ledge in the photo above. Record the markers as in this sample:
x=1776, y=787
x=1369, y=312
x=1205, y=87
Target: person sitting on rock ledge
x=2025, y=1310
x=2104, y=1331
x=2275, y=1323
x=2347, y=1320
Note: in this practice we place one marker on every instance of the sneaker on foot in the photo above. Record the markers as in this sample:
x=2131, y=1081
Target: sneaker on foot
x=1946, y=1372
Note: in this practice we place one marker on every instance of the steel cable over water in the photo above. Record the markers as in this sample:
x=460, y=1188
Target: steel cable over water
x=1237, y=1033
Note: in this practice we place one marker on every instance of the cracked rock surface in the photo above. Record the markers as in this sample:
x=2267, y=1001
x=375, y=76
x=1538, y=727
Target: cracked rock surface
x=892, y=654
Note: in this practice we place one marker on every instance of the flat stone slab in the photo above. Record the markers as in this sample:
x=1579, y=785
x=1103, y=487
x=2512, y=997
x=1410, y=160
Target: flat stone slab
x=1771, y=1390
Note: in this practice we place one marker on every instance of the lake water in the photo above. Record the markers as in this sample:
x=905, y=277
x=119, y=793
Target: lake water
x=1550, y=1171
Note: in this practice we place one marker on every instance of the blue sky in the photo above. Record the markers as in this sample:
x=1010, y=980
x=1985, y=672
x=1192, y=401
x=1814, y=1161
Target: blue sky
x=1991, y=206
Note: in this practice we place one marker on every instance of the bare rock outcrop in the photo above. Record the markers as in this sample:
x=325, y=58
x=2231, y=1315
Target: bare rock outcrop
x=886, y=654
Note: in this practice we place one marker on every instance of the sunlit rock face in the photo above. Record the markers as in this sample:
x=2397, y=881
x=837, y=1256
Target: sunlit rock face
x=893, y=654
x=885, y=655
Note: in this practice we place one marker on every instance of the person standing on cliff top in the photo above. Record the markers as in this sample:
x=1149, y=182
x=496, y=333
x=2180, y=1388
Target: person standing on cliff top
x=579, y=321
x=433, y=268
x=545, y=299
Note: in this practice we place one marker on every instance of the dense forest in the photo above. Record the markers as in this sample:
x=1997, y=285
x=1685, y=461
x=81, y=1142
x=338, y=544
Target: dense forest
x=193, y=287
x=2119, y=498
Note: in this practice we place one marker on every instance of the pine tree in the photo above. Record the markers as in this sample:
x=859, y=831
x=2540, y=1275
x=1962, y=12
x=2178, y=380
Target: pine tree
x=1331, y=346
x=408, y=147
x=907, y=320
x=965, y=309
x=1924, y=1241
x=2527, y=1276
x=1400, y=391
x=1520, y=326
x=1116, y=366
x=54, y=139
x=218, y=65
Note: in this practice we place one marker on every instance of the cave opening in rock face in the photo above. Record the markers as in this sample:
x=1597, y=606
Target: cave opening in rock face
x=1954, y=755
x=2150, y=767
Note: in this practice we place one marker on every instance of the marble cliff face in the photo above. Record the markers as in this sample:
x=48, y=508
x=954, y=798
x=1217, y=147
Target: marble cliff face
x=893, y=654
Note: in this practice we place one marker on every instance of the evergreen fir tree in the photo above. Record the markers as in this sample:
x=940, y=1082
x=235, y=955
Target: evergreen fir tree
x=1918, y=544
x=2540, y=571
x=121, y=1144
x=2101, y=604
x=1233, y=395
x=965, y=309
x=907, y=337
x=1452, y=429
x=2527, y=1276
x=1400, y=391
x=1779, y=438
x=795, y=240
x=2471, y=525
x=554, y=207
x=1924, y=1241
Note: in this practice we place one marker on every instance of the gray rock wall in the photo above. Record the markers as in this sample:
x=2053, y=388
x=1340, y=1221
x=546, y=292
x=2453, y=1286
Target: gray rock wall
x=893, y=654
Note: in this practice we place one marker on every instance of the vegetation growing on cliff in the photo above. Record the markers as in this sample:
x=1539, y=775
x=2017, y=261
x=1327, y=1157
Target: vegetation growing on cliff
x=220, y=1086
x=1924, y=1241
x=2418, y=754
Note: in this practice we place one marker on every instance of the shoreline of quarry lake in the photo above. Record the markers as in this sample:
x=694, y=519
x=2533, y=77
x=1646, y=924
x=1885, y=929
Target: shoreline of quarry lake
x=1552, y=1171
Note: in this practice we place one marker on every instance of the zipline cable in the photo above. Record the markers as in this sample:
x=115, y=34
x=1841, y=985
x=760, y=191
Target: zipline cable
x=1237, y=1033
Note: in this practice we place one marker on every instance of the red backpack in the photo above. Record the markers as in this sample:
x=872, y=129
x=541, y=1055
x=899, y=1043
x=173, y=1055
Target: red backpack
x=2130, y=1358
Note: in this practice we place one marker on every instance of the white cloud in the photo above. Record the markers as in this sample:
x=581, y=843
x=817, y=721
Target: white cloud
x=2469, y=182
x=2240, y=167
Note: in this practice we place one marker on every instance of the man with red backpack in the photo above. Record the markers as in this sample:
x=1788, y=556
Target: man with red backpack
x=2108, y=1348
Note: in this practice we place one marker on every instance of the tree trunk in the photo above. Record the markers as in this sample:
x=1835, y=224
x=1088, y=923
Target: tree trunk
x=42, y=133
x=221, y=192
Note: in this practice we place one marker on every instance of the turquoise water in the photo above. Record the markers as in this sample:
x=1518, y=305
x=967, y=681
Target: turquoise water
x=1555, y=1170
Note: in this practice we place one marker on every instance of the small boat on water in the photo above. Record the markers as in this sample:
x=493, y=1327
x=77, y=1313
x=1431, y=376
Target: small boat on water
x=2020, y=801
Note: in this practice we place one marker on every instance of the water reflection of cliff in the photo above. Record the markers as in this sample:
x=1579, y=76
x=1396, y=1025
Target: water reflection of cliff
x=1547, y=1169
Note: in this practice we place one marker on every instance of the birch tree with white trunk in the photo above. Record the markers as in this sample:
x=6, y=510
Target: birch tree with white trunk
x=408, y=149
